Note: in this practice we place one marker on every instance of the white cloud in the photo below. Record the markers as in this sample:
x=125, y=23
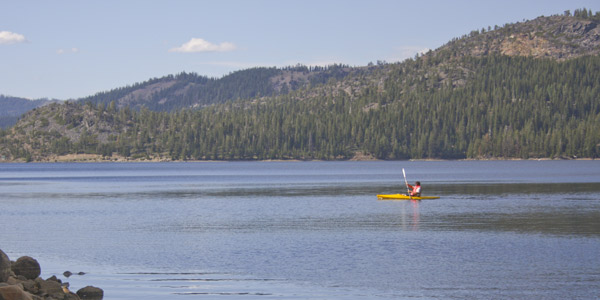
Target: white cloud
x=230, y=64
x=7, y=37
x=405, y=52
x=63, y=51
x=200, y=45
x=424, y=51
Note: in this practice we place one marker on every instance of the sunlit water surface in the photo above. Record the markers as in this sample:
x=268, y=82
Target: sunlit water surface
x=309, y=230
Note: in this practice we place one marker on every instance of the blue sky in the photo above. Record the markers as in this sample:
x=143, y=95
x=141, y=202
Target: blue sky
x=71, y=49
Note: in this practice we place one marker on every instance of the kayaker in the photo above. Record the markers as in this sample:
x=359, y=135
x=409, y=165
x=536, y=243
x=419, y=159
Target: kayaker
x=415, y=191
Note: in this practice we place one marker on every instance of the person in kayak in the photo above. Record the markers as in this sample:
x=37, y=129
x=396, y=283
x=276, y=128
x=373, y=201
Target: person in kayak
x=415, y=191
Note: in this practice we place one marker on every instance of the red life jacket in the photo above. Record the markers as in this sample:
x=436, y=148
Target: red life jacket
x=415, y=190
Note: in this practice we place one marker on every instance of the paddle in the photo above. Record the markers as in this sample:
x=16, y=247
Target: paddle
x=406, y=182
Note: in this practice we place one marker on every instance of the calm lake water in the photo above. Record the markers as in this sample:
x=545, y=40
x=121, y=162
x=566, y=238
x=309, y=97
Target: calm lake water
x=309, y=230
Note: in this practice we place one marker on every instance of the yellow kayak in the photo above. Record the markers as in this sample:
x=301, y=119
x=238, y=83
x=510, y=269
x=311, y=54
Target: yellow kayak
x=404, y=197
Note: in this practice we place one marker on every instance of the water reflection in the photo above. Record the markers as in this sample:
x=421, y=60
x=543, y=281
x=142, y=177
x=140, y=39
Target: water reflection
x=513, y=188
x=565, y=223
x=410, y=215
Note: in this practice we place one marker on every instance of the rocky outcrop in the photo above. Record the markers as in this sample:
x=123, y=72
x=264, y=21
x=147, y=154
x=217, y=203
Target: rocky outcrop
x=20, y=281
x=554, y=37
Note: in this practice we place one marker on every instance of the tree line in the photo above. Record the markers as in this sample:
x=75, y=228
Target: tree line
x=509, y=107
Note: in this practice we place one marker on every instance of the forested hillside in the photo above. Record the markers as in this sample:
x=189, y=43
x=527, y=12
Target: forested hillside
x=189, y=90
x=453, y=103
x=14, y=107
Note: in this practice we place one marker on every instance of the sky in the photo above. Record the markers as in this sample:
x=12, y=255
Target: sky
x=72, y=49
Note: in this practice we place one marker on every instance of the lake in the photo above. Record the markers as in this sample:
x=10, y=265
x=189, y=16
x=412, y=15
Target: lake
x=309, y=230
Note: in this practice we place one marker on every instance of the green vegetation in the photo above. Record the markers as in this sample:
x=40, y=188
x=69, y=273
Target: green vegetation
x=510, y=107
x=13, y=107
x=189, y=90
x=525, y=90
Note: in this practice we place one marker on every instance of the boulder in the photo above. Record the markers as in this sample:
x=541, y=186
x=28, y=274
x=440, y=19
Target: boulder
x=90, y=292
x=4, y=267
x=14, y=292
x=30, y=286
x=71, y=296
x=50, y=288
x=54, y=278
x=27, y=266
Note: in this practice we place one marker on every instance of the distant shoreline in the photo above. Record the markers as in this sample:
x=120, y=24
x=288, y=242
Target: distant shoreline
x=93, y=158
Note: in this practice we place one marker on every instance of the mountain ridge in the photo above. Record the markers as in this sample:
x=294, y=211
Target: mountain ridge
x=555, y=37
x=475, y=104
x=14, y=107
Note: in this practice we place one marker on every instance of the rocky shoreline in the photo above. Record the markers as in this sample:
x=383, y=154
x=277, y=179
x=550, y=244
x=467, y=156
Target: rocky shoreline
x=20, y=280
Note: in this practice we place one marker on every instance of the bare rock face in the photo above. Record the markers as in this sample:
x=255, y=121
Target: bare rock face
x=27, y=267
x=554, y=37
x=4, y=267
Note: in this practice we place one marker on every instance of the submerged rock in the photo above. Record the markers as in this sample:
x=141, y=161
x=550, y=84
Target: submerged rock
x=27, y=266
x=69, y=274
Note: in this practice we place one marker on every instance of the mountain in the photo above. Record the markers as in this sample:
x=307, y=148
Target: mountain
x=556, y=37
x=189, y=90
x=13, y=108
x=524, y=90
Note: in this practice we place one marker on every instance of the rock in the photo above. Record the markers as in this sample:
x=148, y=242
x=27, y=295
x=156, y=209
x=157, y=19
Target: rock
x=14, y=292
x=14, y=280
x=90, y=292
x=31, y=286
x=50, y=288
x=69, y=274
x=27, y=266
x=20, y=280
x=4, y=266
x=71, y=296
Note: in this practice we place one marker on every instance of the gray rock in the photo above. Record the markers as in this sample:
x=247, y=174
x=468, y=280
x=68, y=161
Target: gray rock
x=49, y=288
x=30, y=286
x=4, y=267
x=27, y=266
x=14, y=292
x=90, y=292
